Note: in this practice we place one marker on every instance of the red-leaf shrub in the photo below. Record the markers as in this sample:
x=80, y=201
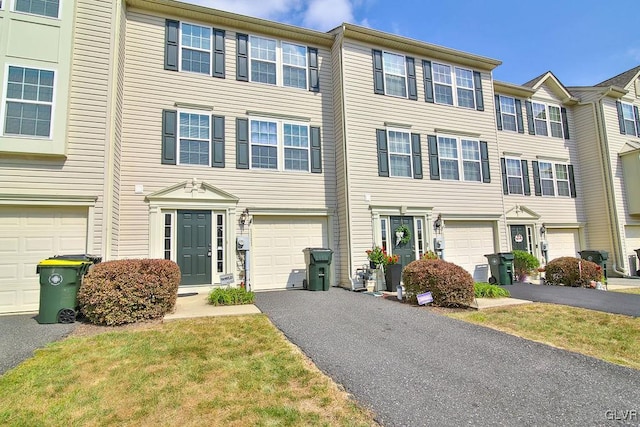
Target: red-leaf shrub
x=449, y=284
x=128, y=291
x=565, y=271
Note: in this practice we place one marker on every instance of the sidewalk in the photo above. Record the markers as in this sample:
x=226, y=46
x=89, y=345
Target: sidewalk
x=196, y=305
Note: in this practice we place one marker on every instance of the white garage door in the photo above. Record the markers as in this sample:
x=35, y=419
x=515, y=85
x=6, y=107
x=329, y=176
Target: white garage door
x=277, y=260
x=562, y=242
x=28, y=235
x=633, y=238
x=466, y=244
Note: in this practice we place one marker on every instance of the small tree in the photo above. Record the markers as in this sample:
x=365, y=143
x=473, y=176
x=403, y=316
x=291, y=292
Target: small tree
x=524, y=264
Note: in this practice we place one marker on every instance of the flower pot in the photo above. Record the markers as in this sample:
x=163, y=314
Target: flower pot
x=392, y=276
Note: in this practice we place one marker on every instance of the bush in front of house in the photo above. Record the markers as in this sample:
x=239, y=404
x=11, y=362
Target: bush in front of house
x=487, y=290
x=230, y=296
x=524, y=264
x=129, y=291
x=450, y=285
x=566, y=271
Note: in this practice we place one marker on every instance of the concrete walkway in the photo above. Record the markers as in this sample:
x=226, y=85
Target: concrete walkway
x=196, y=305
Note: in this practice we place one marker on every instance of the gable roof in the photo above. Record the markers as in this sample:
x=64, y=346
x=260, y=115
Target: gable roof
x=554, y=84
x=622, y=79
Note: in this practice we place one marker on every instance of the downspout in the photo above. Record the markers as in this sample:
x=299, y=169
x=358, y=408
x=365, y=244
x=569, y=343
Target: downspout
x=612, y=210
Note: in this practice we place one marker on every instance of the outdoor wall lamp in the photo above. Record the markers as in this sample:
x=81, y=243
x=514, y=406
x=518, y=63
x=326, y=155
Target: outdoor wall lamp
x=437, y=224
x=244, y=216
x=543, y=230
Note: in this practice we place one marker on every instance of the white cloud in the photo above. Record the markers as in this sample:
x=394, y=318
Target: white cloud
x=277, y=10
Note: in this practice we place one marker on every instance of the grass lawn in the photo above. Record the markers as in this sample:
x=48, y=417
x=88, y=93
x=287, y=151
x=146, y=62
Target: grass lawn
x=218, y=371
x=611, y=337
x=628, y=291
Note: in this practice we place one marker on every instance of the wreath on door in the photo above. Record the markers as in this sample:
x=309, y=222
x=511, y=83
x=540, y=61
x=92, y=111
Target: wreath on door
x=403, y=234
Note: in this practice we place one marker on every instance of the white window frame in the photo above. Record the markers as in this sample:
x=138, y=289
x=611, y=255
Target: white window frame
x=558, y=123
x=555, y=180
x=180, y=138
x=182, y=24
x=279, y=62
x=460, y=160
x=631, y=119
x=387, y=72
x=280, y=144
x=384, y=233
x=455, y=87
x=219, y=238
x=503, y=113
x=13, y=9
x=3, y=110
x=536, y=120
x=511, y=176
x=420, y=237
x=391, y=153
x=171, y=238
x=552, y=178
x=547, y=120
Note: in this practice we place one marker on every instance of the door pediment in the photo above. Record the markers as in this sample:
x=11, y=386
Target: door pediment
x=195, y=191
x=520, y=213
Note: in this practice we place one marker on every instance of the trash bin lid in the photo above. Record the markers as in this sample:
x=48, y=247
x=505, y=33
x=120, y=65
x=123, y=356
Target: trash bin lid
x=61, y=263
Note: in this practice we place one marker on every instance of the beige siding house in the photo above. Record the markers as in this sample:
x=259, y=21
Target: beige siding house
x=609, y=135
x=539, y=167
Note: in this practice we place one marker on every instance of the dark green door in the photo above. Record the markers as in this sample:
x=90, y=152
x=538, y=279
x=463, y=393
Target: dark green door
x=519, y=238
x=194, y=247
x=406, y=251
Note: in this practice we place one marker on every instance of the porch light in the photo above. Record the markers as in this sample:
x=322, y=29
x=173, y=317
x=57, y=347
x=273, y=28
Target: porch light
x=543, y=230
x=244, y=216
x=437, y=224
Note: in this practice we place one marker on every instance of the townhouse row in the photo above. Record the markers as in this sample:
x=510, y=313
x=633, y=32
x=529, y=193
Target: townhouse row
x=154, y=128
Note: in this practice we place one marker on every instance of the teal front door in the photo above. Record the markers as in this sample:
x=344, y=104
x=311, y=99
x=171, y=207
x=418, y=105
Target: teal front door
x=194, y=247
x=519, y=241
x=405, y=251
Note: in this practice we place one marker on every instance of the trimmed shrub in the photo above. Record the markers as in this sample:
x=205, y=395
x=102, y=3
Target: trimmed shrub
x=487, y=290
x=128, y=291
x=231, y=296
x=524, y=264
x=565, y=271
x=449, y=284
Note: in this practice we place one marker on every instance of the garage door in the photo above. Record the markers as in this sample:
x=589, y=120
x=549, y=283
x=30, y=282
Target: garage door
x=277, y=244
x=466, y=244
x=562, y=242
x=28, y=235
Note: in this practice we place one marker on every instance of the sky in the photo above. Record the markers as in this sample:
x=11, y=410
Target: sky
x=583, y=42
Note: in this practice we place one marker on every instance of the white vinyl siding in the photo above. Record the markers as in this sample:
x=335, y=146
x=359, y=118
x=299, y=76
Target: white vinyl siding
x=447, y=78
x=279, y=145
x=195, y=48
x=514, y=176
x=278, y=63
x=508, y=113
x=395, y=78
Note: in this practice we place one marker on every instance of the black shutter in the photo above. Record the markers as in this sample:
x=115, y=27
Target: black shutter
x=505, y=182
x=565, y=122
x=242, y=144
x=416, y=151
x=314, y=77
x=412, y=87
x=498, y=113
x=428, y=81
x=171, y=45
x=635, y=111
x=536, y=178
x=316, y=150
x=572, y=182
x=530, y=122
x=484, y=158
x=434, y=162
x=242, y=57
x=519, y=120
x=477, y=82
x=218, y=53
x=620, y=117
x=217, y=141
x=378, y=74
x=383, y=159
x=525, y=178
x=169, y=136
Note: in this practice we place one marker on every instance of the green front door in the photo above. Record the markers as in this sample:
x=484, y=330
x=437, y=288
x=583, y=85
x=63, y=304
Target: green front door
x=519, y=238
x=405, y=251
x=194, y=247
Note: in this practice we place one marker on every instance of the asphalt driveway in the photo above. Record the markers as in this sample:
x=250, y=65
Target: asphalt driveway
x=21, y=334
x=416, y=368
x=610, y=302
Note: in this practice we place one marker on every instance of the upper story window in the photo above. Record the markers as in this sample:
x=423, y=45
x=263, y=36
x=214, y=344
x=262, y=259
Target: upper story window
x=399, y=153
x=514, y=176
x=395, y=77
x=279, y=145
x=459, y=159
x=555, y=121
x=446, y=92
x=194, y=139
x=29, y=102
x=48, y=8
x=547, y=120
x=508, y=113
x=540, y=119
x=278, y=63
x=629, y=118
x=195, y=48
x=554, y=179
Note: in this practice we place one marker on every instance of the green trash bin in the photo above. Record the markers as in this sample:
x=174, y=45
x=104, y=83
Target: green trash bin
x=501, y=265
x=599, y=257
x=318, y=261
x=60, y=280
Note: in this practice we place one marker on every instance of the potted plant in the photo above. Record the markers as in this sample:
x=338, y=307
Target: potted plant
x=524, y=264
x=392, y=271
x=376, y=257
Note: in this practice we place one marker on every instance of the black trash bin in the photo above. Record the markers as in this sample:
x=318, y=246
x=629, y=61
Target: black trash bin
x=318, y=261
x=638, y=255
x=599, y=257
x=501, y=265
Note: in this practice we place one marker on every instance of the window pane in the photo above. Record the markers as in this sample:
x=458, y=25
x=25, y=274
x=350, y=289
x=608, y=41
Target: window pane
x=547, y=188
x=464, y=78
x=264, y=49
x=196, y=37
x=400, y=165
x=393, y=64
x=561, y=172
x=554, y=114
x=296, y=136
x=38, y=7
x=556, y=130
x=294, y=55
x=470, y=150
x=546, y=172
x=399, y=142
x=196, y=61
x=509, y=122
x=515, y=185
x=443, y=94
x=295, y=159
x=472, y=171
x=507, y=105
x=194, y=139
x=193, y=152
x=264, y=157
x=563, y=189
x=395, y=85
x=263, y=72
x=466, y=98
x=448, y=147
x=442, y=74
x=294, y=77
x=32, y=118
x=264, y=133
x=449, y=169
